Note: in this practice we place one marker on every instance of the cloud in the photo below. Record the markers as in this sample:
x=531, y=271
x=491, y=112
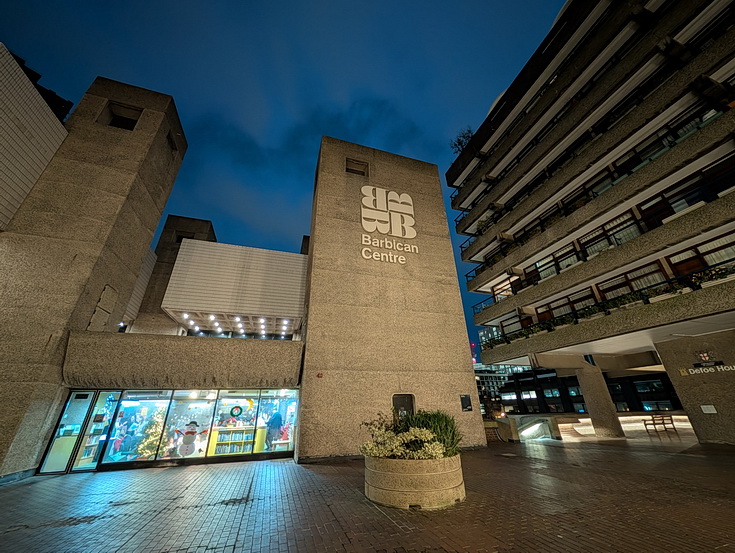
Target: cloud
x=266, y=189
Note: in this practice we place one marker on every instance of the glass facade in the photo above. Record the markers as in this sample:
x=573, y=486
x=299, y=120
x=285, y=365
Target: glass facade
x=112, y=426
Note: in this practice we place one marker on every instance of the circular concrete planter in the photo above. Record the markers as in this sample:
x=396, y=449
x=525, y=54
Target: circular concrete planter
x=408, y=483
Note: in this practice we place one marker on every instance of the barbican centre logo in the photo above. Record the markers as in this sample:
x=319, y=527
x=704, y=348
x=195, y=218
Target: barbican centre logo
x=390, y=213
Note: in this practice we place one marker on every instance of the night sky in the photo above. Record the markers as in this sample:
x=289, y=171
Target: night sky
x=257, y=84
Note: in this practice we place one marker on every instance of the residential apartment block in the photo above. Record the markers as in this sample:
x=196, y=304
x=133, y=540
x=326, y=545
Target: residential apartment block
x=597, y=200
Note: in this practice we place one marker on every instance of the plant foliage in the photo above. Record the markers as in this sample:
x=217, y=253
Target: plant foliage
x=424, y=435
x=459, y=142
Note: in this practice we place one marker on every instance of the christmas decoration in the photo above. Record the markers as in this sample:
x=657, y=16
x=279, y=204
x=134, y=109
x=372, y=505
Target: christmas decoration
x=151, y=435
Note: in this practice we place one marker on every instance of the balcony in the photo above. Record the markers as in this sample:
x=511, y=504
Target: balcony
x=716, y=274
x=696, y=195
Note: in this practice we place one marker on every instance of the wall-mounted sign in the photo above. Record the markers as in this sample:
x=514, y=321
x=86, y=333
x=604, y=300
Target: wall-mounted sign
x=466, y=402
x=708, y=409
x=713, y=369
x=386, y=212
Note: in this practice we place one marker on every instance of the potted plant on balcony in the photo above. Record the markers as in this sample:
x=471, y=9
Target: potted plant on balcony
x=414, y=461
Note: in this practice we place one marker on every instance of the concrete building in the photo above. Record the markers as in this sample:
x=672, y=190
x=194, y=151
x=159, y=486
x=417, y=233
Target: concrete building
x=31, y=133
x=316, y=343
x=72, y=252
x=597, y=200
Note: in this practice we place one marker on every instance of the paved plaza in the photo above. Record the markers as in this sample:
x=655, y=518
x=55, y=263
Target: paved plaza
x=662, y=493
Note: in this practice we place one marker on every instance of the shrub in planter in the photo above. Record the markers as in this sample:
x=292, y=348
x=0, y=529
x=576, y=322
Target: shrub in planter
x=413, y=461
x=589, y=311
x=565, y=320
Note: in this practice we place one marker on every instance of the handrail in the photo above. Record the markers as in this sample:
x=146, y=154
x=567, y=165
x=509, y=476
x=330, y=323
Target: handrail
x=705, y=192
x=690, y=280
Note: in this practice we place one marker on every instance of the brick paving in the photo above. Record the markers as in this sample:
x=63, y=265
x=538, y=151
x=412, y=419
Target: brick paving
x=648, y=494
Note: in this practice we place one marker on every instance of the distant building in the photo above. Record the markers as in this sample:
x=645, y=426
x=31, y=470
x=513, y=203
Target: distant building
x=597, y=197
x=544, y=391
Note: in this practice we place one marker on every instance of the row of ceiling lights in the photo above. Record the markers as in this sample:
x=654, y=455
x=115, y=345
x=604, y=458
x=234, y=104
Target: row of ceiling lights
x=241, y=330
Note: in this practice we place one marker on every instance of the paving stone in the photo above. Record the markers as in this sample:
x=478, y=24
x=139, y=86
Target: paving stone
x=635, y=496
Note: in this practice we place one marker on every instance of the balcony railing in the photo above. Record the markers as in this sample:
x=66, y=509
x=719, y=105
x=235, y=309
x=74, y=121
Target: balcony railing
x=704, y=192
x=681, y=284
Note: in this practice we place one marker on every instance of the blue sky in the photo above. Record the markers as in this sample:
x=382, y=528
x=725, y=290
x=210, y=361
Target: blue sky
x=258, y=84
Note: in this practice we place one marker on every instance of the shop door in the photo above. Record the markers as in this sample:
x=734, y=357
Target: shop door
x=96, y=430
x=81, y=431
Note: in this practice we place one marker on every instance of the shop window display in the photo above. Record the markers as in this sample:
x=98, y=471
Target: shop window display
x=113, y=426
x=137, y=430
x=186, y=431
x=277, y=414
x=234, y=430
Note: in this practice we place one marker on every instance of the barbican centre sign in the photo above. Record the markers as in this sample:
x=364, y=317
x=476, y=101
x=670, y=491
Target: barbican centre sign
x=388, y=213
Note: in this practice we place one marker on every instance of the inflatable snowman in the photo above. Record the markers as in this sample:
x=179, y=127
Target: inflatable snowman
x=189, y=434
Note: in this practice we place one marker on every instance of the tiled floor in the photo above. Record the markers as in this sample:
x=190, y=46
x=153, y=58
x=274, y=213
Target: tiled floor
x=645, y=494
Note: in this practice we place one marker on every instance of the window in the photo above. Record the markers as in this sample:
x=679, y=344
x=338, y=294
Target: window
x=621, y=406
x=579, y=407
x=186, y=431
x=356, y=167
x=722, y=249
x=136, y=432
x=647, y=386
x=528, y=395
x=508, y=396
x=120, y=116
x=574, y=391
x=657, y=406
x=648, y=275
x=551, y=392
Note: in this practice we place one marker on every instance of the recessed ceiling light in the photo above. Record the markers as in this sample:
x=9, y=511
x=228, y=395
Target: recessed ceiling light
x=196, y=329
x=284, y=327
x=262, y=320
x=285, y=322
x=242, y=331
x=121, y=323
x=262, y=331
x=191, y=322
x=220, y=330
x=239, y=325
x=262, y=326
x=283, y=333
x=194, y=395
x=237, y=319
x=211, y=317
x=185, y=315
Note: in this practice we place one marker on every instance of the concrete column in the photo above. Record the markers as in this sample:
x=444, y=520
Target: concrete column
x=702, y=371
x=71, y=255
x=599, y=404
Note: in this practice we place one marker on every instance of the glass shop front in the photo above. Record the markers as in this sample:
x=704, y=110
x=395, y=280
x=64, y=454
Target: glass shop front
x=107, y=429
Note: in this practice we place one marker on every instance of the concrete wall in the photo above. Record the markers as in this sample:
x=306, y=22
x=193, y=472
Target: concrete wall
x=128, y=361
x=72, y=253
x=30, y=134
x=704, y=386
x=378, y=328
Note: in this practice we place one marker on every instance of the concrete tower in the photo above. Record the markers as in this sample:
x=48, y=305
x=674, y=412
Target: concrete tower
x=385, y=322
x=71, y=254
